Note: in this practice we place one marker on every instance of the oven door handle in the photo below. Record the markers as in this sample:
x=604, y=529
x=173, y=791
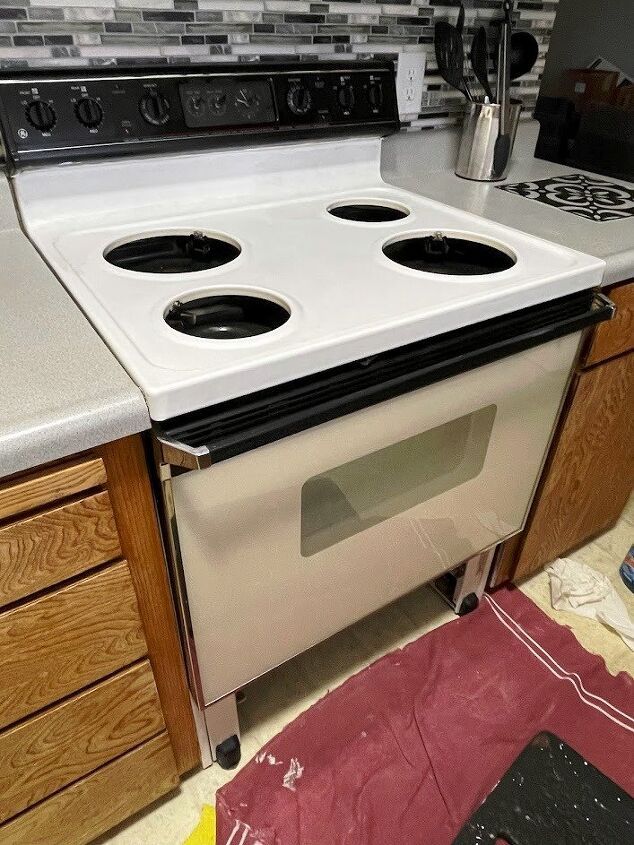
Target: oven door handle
x=179, y=454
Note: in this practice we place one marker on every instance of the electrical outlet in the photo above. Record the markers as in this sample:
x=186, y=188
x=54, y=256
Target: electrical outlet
x=409, y=82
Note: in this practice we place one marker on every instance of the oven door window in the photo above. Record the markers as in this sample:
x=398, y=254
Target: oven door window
x=369, y=490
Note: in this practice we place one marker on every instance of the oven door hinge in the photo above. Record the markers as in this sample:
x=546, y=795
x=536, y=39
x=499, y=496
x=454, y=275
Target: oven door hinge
x=181, y=455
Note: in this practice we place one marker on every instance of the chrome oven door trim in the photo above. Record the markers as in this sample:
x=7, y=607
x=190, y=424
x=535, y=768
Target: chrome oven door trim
x=175, y=563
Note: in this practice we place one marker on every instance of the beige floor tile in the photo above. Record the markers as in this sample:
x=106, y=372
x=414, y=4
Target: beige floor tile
x=276, y=698
x=617, y=541
x=628, y=513
x=166, y=822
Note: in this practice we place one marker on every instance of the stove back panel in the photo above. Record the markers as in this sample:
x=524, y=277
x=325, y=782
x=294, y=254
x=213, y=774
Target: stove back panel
x=61, y=116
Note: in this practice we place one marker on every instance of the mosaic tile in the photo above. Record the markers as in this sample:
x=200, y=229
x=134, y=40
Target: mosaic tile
x=41, y=32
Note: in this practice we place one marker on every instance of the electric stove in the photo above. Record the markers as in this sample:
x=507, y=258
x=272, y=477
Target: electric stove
x=352, y=387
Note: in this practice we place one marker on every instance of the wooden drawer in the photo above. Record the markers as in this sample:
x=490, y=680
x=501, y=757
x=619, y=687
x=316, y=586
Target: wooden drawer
x=93, y=805
x=63, y=641
x=43, y=754
x=53, y=545
x=34, y=491
x=617, y=335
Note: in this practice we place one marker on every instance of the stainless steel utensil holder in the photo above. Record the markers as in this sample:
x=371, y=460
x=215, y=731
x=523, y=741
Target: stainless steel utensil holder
x=480, y=129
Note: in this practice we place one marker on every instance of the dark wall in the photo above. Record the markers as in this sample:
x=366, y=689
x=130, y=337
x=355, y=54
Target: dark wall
x=585, y=29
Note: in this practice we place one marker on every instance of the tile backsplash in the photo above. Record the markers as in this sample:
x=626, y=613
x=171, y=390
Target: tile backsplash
x=66, y=33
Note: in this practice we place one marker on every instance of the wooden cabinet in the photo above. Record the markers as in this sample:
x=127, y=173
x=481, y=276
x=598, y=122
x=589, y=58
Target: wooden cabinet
x=42, y=488
x=47, y=752
x=616, y=336
x=589, y=473
x=81, y=812
x=135, y=515
x=589, y=479
x=95, y=717
x=58, y=543
x=67, y=639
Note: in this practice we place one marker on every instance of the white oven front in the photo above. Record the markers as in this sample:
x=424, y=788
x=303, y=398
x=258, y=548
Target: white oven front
x=283, y=544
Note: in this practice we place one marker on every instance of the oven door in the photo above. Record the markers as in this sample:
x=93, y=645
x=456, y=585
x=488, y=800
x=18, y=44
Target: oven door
x=284, y=544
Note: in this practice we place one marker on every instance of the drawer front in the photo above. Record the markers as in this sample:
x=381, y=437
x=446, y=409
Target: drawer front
x=43, y=754
x=61, y=642
x=49, y=547
x=34, y=491
x=91, y=806
x=616, y=336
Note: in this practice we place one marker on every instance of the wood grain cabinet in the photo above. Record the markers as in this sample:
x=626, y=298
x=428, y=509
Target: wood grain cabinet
x=95, y=718
x=589, y=473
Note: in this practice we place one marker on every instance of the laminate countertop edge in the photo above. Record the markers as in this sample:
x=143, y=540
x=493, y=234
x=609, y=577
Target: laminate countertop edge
x=423, y=162
x=63, y=391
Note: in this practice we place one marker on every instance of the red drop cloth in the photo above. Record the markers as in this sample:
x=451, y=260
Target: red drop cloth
x=404, y=752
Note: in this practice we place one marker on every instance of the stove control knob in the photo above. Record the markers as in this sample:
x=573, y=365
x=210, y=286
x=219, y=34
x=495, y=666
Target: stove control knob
x=346, y=97
x=218, y=102
x=41, y=115
x=196, y=105
x=375, y=95
x=155, y=109
x=299, y=99
x=89, y=112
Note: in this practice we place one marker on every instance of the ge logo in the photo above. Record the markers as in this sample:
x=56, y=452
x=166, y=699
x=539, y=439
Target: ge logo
x=22, y=133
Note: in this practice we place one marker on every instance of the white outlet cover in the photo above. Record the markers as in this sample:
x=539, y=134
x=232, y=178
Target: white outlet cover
x=409, y=82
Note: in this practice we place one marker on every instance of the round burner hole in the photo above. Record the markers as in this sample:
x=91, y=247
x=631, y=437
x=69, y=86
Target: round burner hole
x=173, y=253
x=361, y=212
x=448, y=255
x=226, y=316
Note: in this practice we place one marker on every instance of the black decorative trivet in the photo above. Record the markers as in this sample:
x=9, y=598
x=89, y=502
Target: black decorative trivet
x=594, y=199
x=552, y=796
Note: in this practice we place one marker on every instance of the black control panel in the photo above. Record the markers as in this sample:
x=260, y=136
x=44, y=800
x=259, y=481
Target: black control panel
x=63, y=116
x=217, y=103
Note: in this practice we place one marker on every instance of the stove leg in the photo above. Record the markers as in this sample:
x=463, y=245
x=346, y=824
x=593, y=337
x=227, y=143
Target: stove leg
x=223, y=729
x=470, y=587
x=463, y=586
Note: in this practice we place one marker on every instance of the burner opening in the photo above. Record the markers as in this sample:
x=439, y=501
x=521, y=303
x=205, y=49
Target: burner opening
x=368, y=212
x=226, y=316
x=449, y=255
x=172, y=253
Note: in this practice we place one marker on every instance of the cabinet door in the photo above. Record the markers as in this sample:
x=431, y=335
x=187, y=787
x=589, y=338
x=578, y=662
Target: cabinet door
x=590, y=473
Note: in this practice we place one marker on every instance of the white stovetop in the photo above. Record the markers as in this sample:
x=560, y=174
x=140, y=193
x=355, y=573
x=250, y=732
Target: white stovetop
x=347, y=300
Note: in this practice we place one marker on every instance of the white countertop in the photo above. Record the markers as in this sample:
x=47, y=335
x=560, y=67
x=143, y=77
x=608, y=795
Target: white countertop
x=424, y=162
x=62, y=389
